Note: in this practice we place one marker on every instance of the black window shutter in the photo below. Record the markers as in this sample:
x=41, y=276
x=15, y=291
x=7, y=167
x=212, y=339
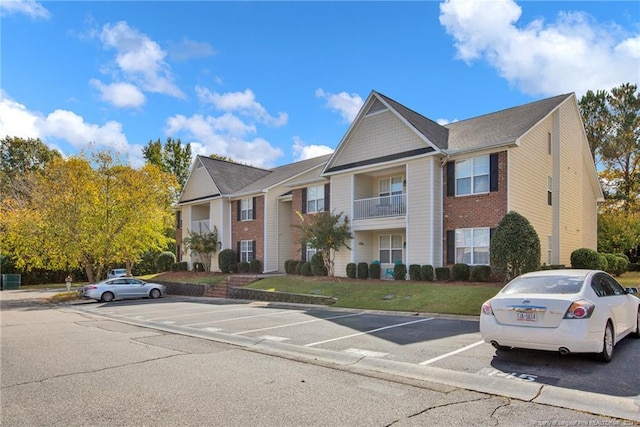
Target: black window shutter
x=493, y=172
x=326, y=197
x=451, y=179
x=238, y=252
x=238, y=211
x=451, y=246
x=254, y=208
x=304, y=200
x=304, y=252
x=253, y=249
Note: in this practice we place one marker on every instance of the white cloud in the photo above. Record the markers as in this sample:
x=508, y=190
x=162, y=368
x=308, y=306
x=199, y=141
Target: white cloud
x=303, y=151
x=120, y=94
x=26, y=7
x=60, y=126
x=226, y=136
x=241, y=102
x=347, y=105
x=187, y=49
x=572, y=54
x=140, y=59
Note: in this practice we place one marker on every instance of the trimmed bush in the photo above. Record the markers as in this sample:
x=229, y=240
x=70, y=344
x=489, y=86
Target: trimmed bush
x=179, y=266
x=363, y=270
x=634, y=266
x=426, y=273
x=198, y=266
x=351, y=270
x=442, y=274
x=290, y=266
x=514, y=247
x=243, y=267
x=375, y=270
x=414, y=272
x=480, y=273
x=400, y=272
x=305, y=268
x=227, y=261
x=585, y=258
x=299, y=267
x=317, y=265
x=165, y=260
x=603, y=262
x=461, y=272
x=254, y=266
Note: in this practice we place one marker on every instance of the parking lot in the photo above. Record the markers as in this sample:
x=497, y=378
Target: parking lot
x=446, y=342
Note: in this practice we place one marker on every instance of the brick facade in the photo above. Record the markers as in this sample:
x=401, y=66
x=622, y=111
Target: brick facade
x=476, y=210
x=252, y=229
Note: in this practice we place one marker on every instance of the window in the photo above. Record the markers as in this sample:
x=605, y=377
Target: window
x=390, y=186
x=472, y=246
x=391, y=248
x=549, y=143
x=310, y=252
x=246, y=209
x=246, y=250
x=472, y=176
x=549, y=190
x=315, y=199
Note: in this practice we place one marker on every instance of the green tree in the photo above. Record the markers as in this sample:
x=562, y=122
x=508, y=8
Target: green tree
x=172, y=157
x=327, y=233
x=203, y=245
x=79, y=216
x=618, y=231
x=19, y=158
x=515, y=246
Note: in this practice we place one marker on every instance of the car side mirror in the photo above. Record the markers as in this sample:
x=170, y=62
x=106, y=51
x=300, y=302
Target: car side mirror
x=632, y=290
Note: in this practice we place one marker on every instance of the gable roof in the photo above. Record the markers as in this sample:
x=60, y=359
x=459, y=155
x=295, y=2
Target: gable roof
x=500, y=128
x=283, y=173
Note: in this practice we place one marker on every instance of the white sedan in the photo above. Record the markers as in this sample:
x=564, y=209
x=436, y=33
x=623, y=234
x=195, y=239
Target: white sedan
x=581, y=311
x=123, y=288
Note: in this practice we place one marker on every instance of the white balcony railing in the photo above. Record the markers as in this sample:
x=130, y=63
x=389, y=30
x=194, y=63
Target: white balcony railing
x=380, y=207
x=200, y=227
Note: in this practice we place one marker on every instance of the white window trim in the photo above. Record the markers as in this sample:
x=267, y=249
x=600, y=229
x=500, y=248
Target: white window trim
x=473, y=176
x=320, y=189
x=472, y=247
x=246, y=250
x=391, y=248
x=246, y=209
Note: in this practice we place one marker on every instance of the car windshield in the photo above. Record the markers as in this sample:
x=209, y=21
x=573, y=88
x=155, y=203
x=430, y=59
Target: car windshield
x=544, y=285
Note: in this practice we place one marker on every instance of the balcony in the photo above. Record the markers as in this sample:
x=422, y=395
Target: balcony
x=380, y=207
x=200, y=227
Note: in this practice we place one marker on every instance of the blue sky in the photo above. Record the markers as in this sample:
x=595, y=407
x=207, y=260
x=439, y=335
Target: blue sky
x=268, y=83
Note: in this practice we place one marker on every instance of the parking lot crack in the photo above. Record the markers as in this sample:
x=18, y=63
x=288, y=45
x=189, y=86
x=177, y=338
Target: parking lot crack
x=444, y=405
x=72, y=374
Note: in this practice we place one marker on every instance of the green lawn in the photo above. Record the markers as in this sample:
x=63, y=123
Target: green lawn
x=387, y=295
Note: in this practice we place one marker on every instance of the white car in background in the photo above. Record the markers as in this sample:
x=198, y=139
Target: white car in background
x=570, y=311
x=116, y=272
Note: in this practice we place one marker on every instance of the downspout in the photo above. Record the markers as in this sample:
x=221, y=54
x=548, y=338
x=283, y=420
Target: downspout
x=443, y=163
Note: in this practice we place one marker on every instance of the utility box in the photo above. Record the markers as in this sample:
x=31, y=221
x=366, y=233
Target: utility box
x=10, y=281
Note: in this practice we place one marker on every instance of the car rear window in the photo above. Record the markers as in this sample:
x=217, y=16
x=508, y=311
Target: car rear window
x=544, y=285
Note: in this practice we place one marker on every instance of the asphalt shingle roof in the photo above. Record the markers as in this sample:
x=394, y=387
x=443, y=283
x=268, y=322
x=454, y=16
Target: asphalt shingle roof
x=230, y=177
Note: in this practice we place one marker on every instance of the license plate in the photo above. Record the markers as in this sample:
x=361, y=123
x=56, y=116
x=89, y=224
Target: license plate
x=526, y=316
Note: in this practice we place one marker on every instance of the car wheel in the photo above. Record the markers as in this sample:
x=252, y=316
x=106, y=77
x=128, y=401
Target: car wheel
x=636, y=334
x=607, y=344
x=107, y=297
x=155, y=293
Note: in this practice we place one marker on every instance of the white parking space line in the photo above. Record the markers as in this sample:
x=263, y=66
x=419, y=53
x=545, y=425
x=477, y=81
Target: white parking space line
x=242, y=318
x=212, y=329
x=273, y=338
x=444, y=356
x=298, y=323
x=361, y=352
x=368, y=332
x=198, y=313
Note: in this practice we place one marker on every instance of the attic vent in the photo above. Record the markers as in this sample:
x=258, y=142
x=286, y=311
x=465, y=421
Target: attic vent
x=376, y=107
x=200, y=165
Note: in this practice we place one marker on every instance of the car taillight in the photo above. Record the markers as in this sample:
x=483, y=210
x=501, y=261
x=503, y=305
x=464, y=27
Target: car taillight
x=486, y=309
x=91, y=287
x=581, y=309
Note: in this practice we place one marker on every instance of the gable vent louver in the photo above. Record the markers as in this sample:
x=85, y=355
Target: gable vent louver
x=376, y=107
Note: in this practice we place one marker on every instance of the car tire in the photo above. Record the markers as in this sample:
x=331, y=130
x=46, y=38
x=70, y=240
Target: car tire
x=636, y=334
x=607, y=343
x=107, y=297
x=155, y=293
